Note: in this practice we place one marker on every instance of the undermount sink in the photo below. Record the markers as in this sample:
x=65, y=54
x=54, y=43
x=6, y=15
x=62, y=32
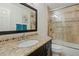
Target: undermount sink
x=27, y=43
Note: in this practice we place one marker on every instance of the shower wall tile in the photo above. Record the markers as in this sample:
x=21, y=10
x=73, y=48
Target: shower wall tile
x=70, y=23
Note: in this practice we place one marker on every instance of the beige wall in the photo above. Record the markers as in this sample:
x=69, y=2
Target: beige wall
x=42, y=18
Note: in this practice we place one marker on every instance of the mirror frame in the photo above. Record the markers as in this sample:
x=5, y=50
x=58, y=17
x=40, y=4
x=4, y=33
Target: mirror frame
x=13, y=32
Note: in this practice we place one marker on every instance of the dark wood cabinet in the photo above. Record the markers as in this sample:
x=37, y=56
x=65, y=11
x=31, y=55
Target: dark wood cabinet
x=44, y=50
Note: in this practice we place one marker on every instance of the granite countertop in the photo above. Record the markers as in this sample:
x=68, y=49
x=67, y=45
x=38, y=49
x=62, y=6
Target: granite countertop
x=12, y=49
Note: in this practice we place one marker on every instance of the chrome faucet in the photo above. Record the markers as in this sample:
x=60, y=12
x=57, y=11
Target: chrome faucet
x=23, y=36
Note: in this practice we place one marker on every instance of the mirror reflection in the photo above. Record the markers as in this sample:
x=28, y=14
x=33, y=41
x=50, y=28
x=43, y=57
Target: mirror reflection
x=14, y=16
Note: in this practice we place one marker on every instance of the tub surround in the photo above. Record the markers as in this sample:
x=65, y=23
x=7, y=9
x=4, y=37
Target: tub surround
x=10, y=47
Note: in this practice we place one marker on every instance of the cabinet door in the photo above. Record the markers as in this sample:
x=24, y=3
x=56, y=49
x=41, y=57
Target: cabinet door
x=48, y=48
x=39, y=52
x=43, y=50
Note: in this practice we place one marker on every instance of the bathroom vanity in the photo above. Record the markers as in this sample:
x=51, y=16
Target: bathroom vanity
x=42, y=48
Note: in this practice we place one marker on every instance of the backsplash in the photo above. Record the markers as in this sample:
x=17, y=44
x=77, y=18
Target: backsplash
x=15, y=37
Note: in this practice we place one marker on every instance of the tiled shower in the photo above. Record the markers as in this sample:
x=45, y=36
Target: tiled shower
x=66, y=24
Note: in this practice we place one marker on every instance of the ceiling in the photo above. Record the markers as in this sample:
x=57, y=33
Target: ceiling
x=55, y=6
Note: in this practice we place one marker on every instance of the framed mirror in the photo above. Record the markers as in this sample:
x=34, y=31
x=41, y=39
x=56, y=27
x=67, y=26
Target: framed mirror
x=17, y=18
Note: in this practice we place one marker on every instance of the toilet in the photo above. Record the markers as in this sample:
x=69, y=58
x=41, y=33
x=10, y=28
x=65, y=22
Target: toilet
x=57, y=50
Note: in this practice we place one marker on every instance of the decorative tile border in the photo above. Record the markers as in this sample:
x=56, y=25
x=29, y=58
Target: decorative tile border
x=16, y=38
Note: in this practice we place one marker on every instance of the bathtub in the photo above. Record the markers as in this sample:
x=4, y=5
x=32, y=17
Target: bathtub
x=66, y=44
